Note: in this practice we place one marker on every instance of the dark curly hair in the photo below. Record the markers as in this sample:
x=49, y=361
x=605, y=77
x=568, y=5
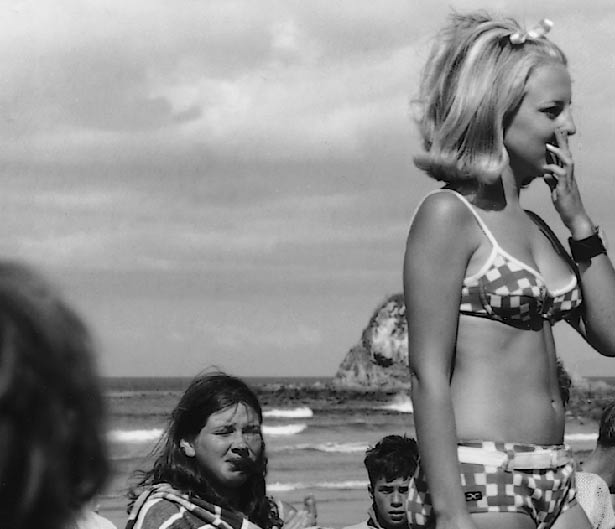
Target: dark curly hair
x=207, y=394
x=393, y=457
x=53, y=457
x=606, y=430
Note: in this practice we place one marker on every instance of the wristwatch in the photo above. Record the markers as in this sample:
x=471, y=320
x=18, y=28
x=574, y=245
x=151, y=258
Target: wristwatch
x=584, y=250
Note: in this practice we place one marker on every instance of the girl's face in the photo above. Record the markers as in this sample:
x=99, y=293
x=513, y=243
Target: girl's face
x=227, y=447
x=545, y=108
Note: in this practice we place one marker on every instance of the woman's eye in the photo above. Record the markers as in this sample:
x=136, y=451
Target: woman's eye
x=224, y=431
x=552, y=112
x=252, y=430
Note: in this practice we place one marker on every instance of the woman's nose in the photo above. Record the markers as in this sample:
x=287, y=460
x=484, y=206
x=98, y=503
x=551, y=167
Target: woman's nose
x=569, y=125
x=242, y=451
x=239, y=439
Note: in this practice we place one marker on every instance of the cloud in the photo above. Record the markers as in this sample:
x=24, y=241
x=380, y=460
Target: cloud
x=128, y=230
x=231, y=77
x=253, y=152
x=244, y=338
x=271, y=81
x=221, y=128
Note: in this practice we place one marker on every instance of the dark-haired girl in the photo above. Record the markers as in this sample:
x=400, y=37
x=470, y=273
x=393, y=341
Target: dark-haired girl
x=210, y=465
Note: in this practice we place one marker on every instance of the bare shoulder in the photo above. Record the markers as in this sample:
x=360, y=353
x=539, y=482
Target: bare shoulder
x=443, y=214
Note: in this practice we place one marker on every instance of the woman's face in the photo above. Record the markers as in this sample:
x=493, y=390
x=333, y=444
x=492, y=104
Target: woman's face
x=545, y=108
x=227, y=447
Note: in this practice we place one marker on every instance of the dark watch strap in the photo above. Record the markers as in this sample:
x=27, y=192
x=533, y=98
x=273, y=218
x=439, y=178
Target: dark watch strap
x=584, y=250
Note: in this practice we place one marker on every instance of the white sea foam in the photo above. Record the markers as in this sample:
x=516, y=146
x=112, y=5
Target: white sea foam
x=328, y=485
x=135, y=436
x=343, y=485
x=580, y=437
x=153, y=434
x=284, y=429
x=401, y=403
x=330, y=447
x=294, y=413
x=285, y=487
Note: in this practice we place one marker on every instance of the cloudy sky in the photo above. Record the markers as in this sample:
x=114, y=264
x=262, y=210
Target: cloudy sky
x=231, y=182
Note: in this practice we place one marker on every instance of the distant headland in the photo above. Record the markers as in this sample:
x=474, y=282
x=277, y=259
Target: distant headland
x=380, y=358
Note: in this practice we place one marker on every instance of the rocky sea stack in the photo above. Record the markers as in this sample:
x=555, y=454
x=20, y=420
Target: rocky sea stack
x=380, y=359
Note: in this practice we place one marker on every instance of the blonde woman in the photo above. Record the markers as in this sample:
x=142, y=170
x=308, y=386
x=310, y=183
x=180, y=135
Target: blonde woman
x=486, y=280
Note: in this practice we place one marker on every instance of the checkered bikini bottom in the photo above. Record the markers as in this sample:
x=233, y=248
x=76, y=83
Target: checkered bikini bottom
x=498, y=477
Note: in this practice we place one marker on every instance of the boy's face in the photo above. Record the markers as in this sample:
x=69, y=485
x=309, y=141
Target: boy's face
x=390, y=502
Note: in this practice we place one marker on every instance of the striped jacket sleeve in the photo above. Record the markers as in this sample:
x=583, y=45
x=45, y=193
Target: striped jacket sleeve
x=159, y=513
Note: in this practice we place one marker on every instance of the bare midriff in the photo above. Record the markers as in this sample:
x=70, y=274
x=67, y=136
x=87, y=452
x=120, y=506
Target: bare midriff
x=504, y=384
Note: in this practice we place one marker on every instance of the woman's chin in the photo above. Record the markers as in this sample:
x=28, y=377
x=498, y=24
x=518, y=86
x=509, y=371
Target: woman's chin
x=237, y=475
x=531, y=177
x=236, y=478
x=526, y=183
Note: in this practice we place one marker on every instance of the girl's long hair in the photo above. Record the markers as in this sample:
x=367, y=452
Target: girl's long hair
x=207, y=394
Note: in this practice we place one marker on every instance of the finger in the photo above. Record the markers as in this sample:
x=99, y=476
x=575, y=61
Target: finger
x=551, y=181
x=555, y=176
x=310, y=504
x=559, y=156
x=562, y=140
x=555, y=170
x=554, y=155
x=563, y=168
x=564, y=153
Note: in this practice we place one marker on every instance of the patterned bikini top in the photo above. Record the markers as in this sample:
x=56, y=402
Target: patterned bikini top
x=508, y=290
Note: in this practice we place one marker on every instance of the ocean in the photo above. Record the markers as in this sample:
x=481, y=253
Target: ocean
x=315, y=442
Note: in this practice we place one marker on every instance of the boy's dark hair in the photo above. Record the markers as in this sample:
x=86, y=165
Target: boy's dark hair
x=393, y=457
x=606, y=431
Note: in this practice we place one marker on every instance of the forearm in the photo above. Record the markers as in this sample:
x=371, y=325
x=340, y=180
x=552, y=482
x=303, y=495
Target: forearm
x=436, y=433
x=598, y=287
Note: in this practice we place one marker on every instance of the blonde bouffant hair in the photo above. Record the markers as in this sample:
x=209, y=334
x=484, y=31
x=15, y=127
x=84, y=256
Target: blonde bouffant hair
x=472, y=85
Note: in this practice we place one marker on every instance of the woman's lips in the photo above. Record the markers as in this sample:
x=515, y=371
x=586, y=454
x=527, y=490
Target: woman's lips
x=242, y=464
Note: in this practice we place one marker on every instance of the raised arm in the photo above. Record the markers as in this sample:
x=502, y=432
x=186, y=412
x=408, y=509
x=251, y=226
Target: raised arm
x=437, y=254
x=597, y=323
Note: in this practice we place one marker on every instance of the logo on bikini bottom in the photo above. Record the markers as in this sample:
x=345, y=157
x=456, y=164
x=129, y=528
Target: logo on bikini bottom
x=474, y=495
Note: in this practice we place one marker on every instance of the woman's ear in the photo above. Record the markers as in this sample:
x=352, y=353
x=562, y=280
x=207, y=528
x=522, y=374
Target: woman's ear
x=187, y=448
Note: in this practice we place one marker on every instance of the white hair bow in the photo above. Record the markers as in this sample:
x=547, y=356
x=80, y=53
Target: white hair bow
x=543, y=27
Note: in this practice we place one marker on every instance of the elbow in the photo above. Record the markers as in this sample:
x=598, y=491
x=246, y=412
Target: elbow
x=604, y=347
x=428, y=385
x=603, y=343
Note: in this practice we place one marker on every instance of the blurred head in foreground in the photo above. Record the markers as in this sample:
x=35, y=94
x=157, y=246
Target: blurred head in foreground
x=53, y=457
